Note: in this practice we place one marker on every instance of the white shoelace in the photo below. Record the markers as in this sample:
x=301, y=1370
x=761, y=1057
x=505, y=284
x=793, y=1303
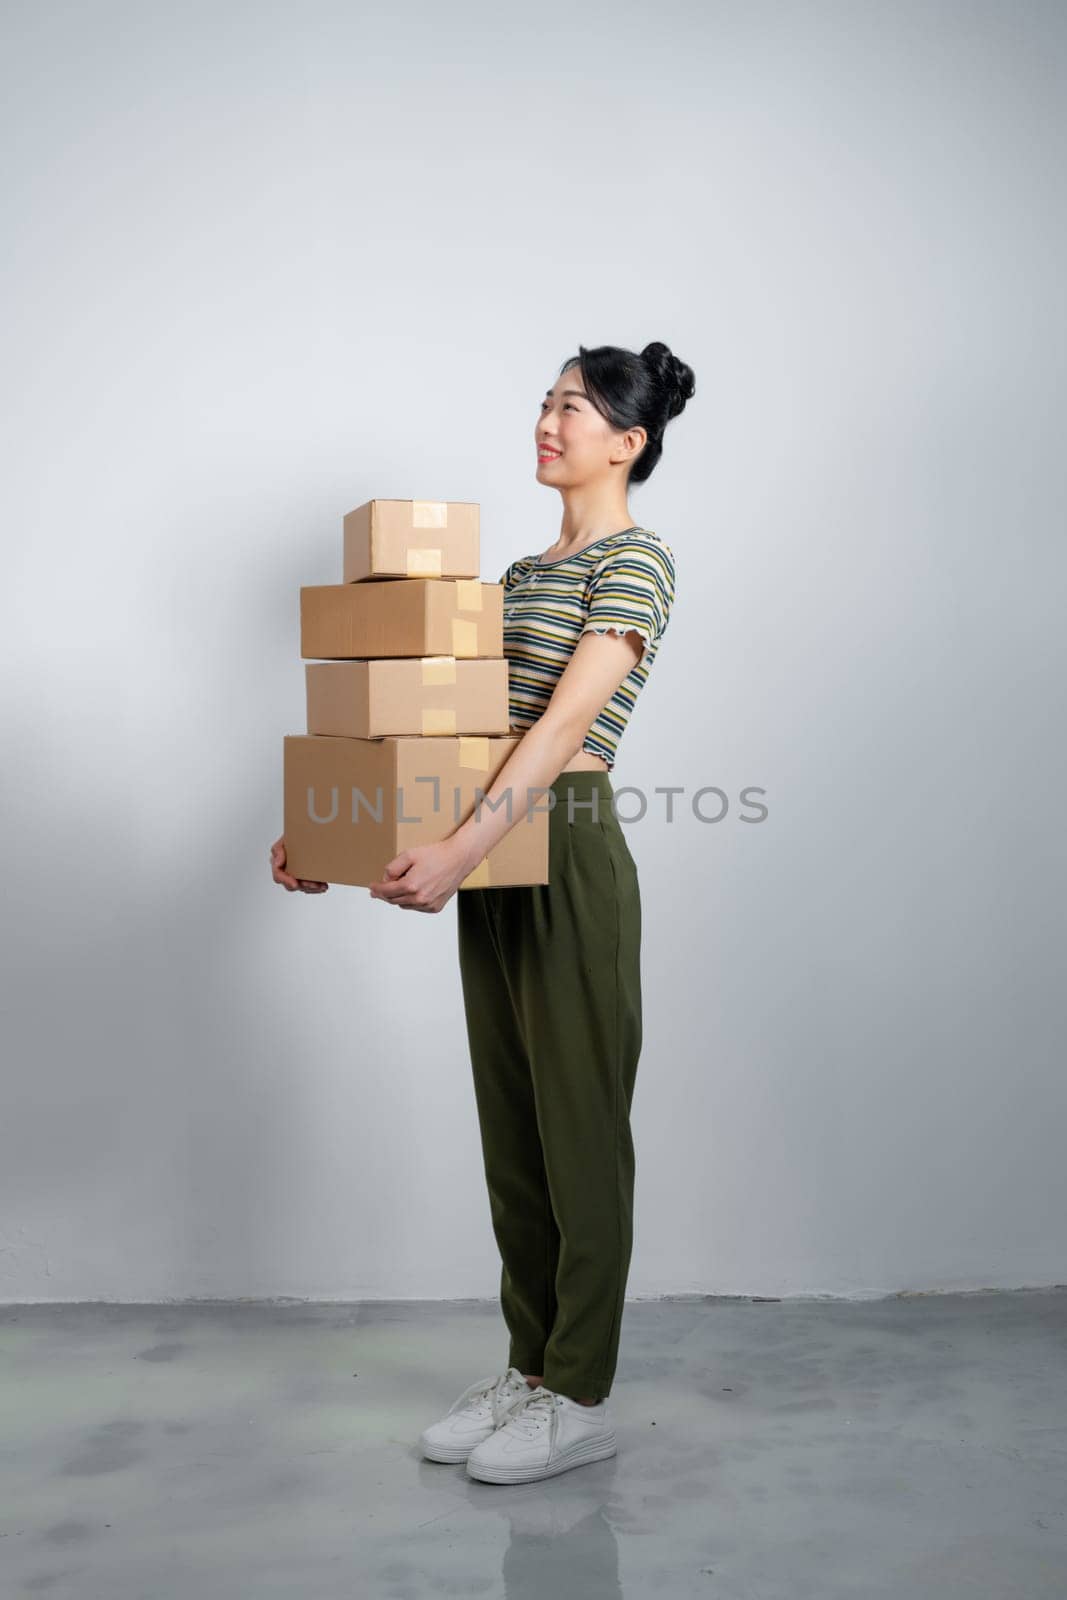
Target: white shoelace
x=495, y=1390
x=529, y=1412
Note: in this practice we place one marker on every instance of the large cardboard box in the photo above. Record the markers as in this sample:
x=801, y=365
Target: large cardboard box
x=405, y=617
x=404, y=695
x=351, y=805
x=412, y=539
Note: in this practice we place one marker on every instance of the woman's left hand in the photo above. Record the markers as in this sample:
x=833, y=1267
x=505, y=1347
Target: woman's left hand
x=423, y=878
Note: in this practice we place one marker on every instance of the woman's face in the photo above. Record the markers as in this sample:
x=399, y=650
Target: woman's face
x=582, y=444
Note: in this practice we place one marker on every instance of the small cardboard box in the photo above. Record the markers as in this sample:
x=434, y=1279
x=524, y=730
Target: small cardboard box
x=351, y=805
x=404, y=695
x=405, y=617
x=411, y=539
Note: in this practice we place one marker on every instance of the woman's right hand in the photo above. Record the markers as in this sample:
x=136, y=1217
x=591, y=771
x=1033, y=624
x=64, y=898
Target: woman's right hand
x=277, y=864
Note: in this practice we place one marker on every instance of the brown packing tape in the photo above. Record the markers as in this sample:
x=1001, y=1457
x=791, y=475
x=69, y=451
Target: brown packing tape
x=479, y=878
x=464, y=637
x=468, y=594
x=424, y=561
x=438, y=669
x=429, y=513
x=438, y=719
x=474, y=751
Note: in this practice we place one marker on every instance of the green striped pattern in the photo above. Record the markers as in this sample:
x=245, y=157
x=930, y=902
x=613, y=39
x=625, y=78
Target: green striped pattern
x=624, y=580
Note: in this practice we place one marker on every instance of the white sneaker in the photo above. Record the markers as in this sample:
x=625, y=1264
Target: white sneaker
x=473, y=1416
x=543, y=1433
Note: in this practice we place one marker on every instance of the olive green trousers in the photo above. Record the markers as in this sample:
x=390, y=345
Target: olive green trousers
x=552, y=996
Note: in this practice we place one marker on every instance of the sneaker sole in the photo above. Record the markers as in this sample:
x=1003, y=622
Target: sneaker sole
x=447, y=1453
x=596, y=1450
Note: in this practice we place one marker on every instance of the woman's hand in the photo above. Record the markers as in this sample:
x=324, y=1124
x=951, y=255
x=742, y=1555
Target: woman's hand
x=278, y=872
x=423, y=878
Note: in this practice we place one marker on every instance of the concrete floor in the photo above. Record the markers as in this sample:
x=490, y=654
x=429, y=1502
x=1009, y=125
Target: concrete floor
x=913, y=1447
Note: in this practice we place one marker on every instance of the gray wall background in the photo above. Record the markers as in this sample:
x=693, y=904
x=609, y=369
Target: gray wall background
x=268, y=262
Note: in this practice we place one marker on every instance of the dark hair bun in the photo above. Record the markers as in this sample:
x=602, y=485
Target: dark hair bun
x=635, y=389
x=675, y=377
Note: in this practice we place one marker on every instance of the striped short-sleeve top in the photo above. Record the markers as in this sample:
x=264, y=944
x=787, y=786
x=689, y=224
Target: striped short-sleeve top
x=620, y=582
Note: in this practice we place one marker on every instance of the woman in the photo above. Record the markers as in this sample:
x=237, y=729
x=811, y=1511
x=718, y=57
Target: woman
x=551, y=972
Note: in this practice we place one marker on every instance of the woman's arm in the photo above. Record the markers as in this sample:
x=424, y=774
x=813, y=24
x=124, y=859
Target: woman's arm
x=597, y=667
x=424, y=877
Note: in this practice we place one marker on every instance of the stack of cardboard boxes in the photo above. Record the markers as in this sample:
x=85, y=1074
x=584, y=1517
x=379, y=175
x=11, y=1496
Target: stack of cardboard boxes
x=407, y=705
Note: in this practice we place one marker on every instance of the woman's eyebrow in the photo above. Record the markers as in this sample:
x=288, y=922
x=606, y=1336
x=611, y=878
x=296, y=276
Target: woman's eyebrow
x=579, y=392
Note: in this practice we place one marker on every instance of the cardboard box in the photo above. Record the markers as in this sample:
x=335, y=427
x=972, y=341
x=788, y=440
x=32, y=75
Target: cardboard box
x=399, y=695
x=351, y=805
x=411, y=539
x=405, y=617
